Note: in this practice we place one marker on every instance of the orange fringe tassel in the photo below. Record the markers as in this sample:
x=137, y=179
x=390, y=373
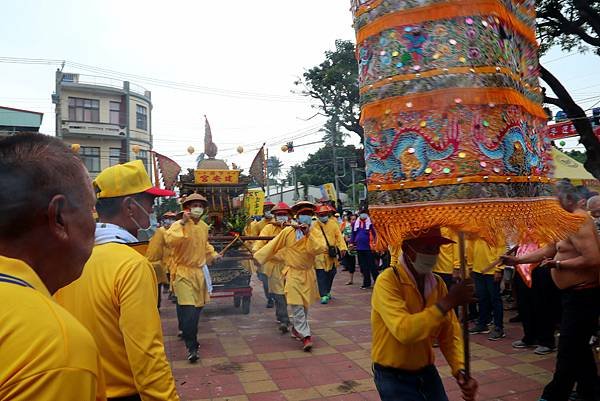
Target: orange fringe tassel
x=540, y=219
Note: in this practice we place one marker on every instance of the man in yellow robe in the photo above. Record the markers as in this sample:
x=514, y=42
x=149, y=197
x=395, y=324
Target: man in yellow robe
x=255, y=228
x=191, y=252
x=411, y=307
x=159, y=254
x=297, y=246
x=326, y=263
x=274, y=267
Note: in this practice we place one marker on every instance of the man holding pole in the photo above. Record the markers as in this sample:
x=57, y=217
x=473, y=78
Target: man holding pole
x=410, y=308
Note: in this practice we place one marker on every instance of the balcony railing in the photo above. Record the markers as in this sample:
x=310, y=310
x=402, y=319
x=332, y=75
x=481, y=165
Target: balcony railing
x=70, y=78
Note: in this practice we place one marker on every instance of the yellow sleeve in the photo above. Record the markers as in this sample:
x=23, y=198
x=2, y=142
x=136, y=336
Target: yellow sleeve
x=176, y=234
x=154, y=253
x=272, y=247
x=406, y=327
x=141, y=327
x=67, y=384
x=316, y=242
x=265, y=232
x=450, y=339
x=340, y=242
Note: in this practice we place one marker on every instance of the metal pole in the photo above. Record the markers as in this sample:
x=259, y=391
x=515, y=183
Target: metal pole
x=464, y=308
x=127, y=119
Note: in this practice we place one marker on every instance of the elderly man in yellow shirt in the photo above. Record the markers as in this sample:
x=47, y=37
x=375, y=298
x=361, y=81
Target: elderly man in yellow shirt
x=274, y=267
x=191, y=252
x=115, y=297
x=411, y=307
x=487, y=277
x=297, y=246
x=326, y=263
x=46, y=235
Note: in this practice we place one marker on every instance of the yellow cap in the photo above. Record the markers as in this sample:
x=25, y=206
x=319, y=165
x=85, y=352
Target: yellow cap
x=126, y=179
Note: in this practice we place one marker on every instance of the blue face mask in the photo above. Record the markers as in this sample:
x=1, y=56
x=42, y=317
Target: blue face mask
x=363, y=216
x=305, y=219
x=323, y=219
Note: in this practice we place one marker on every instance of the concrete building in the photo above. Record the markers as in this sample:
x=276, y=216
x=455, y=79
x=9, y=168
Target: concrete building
x=17, y=120
x=110, y=120
x=290, y=195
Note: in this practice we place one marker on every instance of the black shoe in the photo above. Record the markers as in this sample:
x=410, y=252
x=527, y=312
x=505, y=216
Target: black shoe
x=479, y=330
x=270, y=304
x=193, y=356
x=496, y=334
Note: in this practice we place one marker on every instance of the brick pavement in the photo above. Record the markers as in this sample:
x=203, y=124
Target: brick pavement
x=243, y=357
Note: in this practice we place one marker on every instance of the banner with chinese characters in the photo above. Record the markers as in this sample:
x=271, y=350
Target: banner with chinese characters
x=565, y=130
x=253, y=202
x=328, y=192
x=216, y=176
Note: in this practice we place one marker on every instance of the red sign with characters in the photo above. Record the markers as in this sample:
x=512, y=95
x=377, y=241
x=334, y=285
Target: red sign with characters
x=565, y=130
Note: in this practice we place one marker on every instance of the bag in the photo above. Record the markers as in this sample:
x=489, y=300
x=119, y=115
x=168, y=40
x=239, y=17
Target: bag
x=332, y=251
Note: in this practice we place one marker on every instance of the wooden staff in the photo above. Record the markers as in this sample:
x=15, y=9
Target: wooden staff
x=235, y=239
x=465, y=308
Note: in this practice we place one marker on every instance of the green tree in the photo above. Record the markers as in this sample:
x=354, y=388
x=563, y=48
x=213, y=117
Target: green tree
x=318, y=167
x=334, y=84
x=167, y=205
x=571, y=25
x=274, y=166
x=577, y=155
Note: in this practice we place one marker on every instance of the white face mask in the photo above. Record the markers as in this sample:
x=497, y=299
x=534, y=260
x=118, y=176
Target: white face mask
x=268, y=215
x=424, y=263
x=197, y=212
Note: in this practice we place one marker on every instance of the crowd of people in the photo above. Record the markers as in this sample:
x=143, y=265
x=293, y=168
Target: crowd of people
x=79, y=299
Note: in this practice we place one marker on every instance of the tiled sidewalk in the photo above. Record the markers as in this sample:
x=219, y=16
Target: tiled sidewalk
x=243, y=357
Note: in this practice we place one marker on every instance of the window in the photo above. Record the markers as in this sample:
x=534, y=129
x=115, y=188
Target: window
x=141, y=117
x=114, y=156
x=115, y=113
x=91, y=158
x=143, y=156
x=86, y=110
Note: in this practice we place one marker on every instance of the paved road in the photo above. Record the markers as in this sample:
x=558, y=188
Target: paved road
x=243, y=357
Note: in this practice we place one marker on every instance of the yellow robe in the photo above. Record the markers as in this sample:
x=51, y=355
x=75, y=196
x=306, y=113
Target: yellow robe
x=274, y=267
x=159, y=254
x=191, y=251
x=255, y=228
x=248, y=265
x=332, y=229
x=298, y=257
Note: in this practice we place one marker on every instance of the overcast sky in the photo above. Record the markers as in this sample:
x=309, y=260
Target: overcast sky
x=255, y=47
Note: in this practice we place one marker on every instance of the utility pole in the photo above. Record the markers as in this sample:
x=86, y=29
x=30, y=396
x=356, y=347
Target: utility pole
x=335, y=167
x=353, y=166
x=127, y=151
x=57, y=102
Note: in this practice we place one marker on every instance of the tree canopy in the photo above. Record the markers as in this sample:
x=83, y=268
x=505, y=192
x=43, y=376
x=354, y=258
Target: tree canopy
x=334, y=83
x=571, y=24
